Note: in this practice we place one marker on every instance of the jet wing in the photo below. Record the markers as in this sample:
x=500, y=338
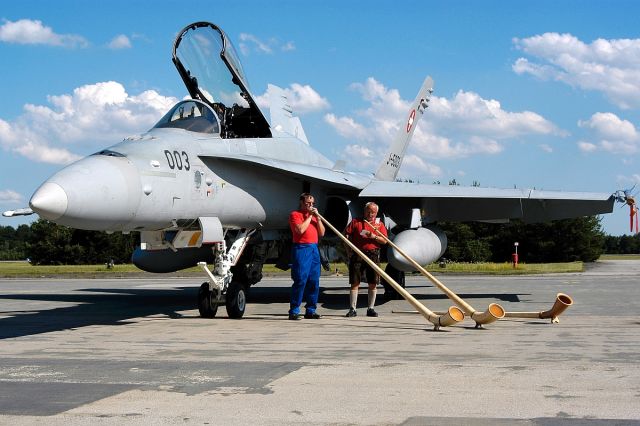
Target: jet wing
x=459, y=203
x=342, y=179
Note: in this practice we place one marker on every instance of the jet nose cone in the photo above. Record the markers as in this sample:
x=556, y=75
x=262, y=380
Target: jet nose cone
x=99, y=192
x=49, y=201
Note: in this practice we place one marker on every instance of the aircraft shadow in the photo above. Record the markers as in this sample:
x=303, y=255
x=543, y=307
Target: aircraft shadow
x=110, y=307
x=116, y=307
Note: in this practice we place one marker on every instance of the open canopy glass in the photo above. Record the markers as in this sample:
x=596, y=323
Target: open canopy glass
x=211, y=71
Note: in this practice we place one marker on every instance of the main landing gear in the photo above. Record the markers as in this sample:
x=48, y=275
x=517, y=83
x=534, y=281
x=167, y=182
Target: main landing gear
x=221, y=286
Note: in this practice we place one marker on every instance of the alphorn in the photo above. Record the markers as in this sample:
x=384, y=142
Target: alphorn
x=563, y=301
x=453, y=314
x=493, y=313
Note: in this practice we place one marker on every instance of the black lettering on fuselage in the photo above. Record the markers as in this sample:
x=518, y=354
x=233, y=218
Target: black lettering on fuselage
x=177, y=160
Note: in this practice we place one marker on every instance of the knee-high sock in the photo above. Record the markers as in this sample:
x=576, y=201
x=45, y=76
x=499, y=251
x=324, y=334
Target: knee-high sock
x=372, y=297
x=353, y=298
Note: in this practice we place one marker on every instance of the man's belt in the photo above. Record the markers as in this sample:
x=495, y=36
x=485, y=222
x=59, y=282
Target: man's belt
x=374, y=251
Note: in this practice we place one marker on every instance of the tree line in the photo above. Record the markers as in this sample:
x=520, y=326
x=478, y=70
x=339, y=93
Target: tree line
x=564, y=240
x=46, y=243
x=568, y=240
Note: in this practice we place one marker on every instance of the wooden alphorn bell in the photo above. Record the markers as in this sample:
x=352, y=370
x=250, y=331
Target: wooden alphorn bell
x=453, y=314
x=493, y=313
x=562, y=302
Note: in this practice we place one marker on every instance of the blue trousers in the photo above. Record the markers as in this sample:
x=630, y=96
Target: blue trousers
x=305, y=273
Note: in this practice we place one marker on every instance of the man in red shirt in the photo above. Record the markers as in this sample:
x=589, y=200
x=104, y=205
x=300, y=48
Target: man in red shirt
x=306, y=228
x=367, y=240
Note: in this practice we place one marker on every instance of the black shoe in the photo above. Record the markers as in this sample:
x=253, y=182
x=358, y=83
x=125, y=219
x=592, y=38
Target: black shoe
x=295, y=317
x=352, y=313
x=312, y=315
x=371, y=313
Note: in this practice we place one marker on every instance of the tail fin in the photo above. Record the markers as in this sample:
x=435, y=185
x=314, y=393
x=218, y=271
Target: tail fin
x=282, y=118
x=388, y=170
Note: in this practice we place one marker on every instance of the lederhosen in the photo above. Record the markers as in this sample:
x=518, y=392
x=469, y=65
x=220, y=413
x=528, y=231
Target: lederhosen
x=358, y=268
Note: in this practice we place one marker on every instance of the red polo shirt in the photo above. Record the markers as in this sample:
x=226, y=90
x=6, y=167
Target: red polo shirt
x=354, y=231
x=310, y=236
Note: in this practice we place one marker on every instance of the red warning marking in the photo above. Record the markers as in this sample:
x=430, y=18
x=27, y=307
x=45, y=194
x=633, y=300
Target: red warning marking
x=412, y=116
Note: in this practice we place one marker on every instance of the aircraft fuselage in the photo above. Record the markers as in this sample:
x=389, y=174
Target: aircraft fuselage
x=170, y=177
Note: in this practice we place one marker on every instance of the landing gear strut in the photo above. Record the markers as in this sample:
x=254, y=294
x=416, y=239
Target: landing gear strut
x=221, y=288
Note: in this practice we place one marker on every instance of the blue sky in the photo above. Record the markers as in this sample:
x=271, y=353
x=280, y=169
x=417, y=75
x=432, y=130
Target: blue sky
x=542, y=94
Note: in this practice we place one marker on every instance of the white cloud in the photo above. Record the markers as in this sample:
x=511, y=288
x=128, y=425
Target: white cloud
x=347, y=127
x=610, y=133
x=32, y=143
x=434, y=146
x=462, y=126
x=359, y=150
x=119, y=42
x=546, y=148
x=629, y=182
x=10, y=196
x=362, y=156
x=587, y=146
x=469, y=112
x=288, y=46
x=608, y=66
x=91, y=116
x=380, y=97
x=412, y=165
x=250, y=43
x=610, y=126
x=543, y=72
x=40, y=152
x=302, y=99
x=27, y=31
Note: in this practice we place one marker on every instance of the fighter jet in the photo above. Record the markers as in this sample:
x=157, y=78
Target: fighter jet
x=213, y=182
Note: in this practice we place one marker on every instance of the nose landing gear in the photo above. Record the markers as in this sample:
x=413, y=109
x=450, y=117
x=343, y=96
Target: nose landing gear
x=221, y=288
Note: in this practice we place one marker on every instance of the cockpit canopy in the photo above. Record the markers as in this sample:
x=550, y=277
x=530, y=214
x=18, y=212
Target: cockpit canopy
x=191, y=115
x=211, y=71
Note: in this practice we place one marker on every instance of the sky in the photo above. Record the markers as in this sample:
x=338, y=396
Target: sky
x=542, y=94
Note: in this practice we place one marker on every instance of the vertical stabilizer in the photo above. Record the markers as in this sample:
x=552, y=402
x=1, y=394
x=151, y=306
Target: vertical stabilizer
x=388, y=170
x=282, y=118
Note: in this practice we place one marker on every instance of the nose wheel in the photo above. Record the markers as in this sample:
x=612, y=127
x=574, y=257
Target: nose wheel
x=207, y=301
x=235, y=300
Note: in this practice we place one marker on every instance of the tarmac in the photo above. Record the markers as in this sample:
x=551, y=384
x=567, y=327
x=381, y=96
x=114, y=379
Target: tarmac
x=135, y=351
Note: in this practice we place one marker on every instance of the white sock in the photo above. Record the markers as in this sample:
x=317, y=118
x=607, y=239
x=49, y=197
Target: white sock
x=372, y=297
x=353, y=298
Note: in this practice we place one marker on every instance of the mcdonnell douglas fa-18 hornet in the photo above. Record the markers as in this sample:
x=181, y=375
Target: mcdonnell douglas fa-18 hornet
x=214, y=181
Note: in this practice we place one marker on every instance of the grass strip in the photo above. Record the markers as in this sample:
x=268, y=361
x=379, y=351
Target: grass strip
x=26, y=270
